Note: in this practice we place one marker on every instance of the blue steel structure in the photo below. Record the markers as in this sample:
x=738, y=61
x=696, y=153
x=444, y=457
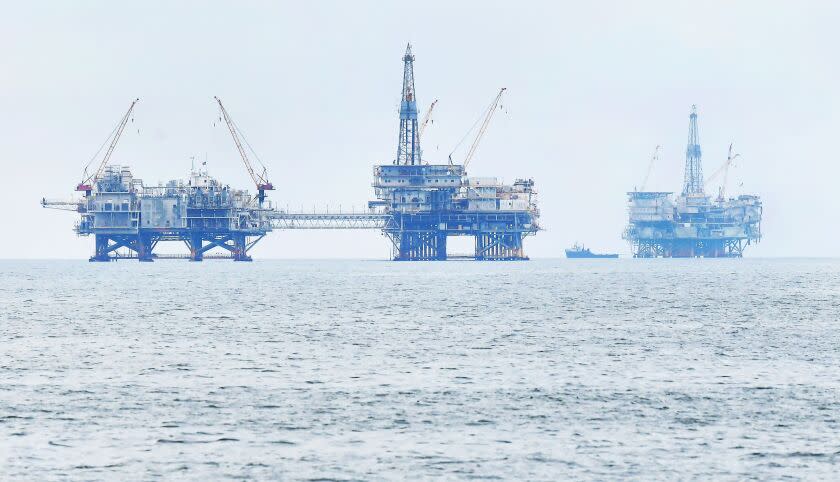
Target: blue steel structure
x=693, y=224
x=417, y=207
x=693, y=182
x=128, y=219
x=427, y=203
x=408, y=147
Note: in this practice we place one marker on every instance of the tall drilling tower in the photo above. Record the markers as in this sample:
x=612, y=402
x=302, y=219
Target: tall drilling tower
x=693, y=183
x=693, y=225
x=426, y=203
x=418, y=205
x=408, y=148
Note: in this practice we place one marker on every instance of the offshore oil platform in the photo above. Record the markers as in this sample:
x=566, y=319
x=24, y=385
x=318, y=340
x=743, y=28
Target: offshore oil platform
x=427, y=203
x=128, y=219
x=694, y=224
x=418, y=205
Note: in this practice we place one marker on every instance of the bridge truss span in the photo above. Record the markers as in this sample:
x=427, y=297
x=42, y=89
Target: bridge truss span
x=284, y=220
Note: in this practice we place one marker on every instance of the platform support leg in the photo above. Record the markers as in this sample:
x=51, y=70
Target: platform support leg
x=419, y=246
x=196, y=244
x=499, y=246
x=441, y=247
x=404, y=249
x=515, y=247
x=240, y=248
x=143, y=247
x=480, y=249
x=101, y=254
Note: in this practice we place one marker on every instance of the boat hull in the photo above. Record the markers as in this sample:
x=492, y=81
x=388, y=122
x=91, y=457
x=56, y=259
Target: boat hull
x=587, y=255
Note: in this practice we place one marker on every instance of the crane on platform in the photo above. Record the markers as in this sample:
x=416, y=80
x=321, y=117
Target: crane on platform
x=426, y=119
x=86, y=185
x=487, y=115
x=724, y=170
x=260, y=179
x=653, y=159
x=76, y=205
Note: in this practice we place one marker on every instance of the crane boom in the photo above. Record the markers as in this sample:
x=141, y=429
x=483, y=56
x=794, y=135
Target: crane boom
x=426, y=119
x=490, y=111
x=87, y=184
x=653, y=158
x=259, y=180
x=74, y=205
x=724, y=169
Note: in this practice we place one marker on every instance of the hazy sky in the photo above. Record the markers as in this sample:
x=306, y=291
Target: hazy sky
x=593, y=87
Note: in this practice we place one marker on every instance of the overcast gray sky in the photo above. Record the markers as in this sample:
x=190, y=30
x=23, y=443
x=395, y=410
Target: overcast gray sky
x=593, y=87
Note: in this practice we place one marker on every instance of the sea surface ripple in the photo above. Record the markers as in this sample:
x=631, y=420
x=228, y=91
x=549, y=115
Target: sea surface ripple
x=373, y=370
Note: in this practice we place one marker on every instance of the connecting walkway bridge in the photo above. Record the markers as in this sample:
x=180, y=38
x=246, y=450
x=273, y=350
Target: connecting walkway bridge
x=351, y=220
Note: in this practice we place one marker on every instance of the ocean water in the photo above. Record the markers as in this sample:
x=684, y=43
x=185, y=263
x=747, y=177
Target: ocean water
x=373, y=370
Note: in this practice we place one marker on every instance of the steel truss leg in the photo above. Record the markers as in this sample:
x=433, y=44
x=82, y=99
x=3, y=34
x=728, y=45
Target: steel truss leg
x=441, y=247
x=236, y=244
x=101, y=253
x=418, y=245
x=734, y=248
x=651, y=249
x=143, y=247
x=198, y=242
x=240, y=248
x=499, y=246
x=195, y=243
x=142, y=244
x=432, y=245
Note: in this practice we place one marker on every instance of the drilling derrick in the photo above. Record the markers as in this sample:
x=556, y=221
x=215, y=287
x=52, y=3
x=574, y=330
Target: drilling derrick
x=408, y=148
x=417, y=207
x=693, y=183
x=693, y=225
x=426, y=203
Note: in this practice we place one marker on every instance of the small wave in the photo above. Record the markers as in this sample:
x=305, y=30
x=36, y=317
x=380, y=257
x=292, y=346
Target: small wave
x=282, y=442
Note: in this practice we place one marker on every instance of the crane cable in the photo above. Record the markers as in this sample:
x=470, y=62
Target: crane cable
x=96, y=154
x=256, y=156
x=426, y=119
x=653, y=158
x=114, y=138
x=483, y=113
x=724, y=168
x=486, y=114
x=237, y=133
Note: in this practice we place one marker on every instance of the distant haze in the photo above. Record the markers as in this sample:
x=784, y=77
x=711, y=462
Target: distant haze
x=592, y=89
